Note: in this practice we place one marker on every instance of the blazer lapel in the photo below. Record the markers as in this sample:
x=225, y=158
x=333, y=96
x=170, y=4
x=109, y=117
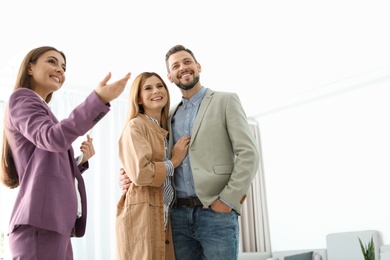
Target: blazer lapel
x=201, y=112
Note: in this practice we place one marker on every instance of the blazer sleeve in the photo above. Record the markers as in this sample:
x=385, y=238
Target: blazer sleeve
x=245, y=150
x=34, y=120
x=136, y=156
x=83, y=167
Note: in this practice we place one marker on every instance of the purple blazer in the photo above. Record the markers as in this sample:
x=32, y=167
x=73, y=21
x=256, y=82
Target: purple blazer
x=42, y=150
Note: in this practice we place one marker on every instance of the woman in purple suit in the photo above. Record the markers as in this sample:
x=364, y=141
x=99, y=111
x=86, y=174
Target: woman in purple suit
x=38, y=158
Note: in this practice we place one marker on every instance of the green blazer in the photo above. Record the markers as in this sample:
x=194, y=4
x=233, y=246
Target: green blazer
x=223, y=152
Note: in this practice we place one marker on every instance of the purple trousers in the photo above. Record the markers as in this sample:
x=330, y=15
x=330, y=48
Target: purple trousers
x=32, y=243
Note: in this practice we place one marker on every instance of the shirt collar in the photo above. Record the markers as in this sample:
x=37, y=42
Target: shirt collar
x=152, y=118
x=195, y=99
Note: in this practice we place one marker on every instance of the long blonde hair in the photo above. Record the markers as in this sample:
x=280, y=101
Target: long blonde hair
x=134, y=108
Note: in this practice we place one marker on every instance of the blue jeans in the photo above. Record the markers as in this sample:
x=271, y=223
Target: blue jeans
x=200, y=234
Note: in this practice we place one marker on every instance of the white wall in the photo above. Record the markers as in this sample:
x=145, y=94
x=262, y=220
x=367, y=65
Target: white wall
x=318, y=155
x=326, y=159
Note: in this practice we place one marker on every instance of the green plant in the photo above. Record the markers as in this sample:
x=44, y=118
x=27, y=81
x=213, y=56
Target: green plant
x=368, y=251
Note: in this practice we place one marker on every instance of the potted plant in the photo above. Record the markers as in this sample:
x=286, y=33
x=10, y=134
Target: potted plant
x=368, y=250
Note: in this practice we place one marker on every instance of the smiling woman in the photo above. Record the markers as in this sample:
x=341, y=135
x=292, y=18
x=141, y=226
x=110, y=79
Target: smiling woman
x=38, y=157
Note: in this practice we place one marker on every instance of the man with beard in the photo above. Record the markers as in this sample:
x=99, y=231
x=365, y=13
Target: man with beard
x=223, y=158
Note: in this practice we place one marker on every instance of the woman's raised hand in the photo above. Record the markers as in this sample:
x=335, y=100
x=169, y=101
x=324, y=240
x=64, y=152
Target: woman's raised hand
x=108, y=92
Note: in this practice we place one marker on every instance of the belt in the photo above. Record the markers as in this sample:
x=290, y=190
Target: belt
x=188, y=202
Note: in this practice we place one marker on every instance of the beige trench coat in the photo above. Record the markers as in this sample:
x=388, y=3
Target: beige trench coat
x=140, y=231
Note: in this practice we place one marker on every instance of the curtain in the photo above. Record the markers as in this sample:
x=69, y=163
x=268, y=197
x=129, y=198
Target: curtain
x=101, y=179
x=254, y=228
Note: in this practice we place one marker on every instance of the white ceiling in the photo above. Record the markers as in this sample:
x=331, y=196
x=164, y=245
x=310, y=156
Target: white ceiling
x=267, y=51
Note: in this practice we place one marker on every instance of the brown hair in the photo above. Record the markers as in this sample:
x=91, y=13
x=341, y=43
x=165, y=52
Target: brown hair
x=135, y=108
x=175, y=49
x=8, y=174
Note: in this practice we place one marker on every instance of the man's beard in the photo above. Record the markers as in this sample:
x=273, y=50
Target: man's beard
x=189, y=86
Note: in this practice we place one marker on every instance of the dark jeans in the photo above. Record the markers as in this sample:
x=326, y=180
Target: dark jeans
x=200, y=234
